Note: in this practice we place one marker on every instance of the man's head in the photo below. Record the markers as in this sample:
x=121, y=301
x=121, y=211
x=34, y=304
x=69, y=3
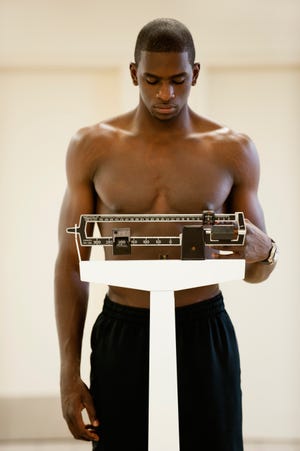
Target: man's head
x=165, y=35
x=164, y=67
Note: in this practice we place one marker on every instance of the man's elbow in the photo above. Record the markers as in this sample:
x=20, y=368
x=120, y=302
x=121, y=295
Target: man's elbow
x=258, y=272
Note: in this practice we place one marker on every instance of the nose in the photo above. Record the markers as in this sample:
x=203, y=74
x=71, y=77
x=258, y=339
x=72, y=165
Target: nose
x=166, y=92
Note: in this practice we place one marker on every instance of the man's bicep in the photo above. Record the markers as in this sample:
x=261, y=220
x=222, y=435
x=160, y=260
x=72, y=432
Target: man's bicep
x=246, y=175
x=245, y=199
x=75, y=203
x=80, y=196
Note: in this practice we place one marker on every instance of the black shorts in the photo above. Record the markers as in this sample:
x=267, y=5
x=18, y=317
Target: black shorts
x=209, y=394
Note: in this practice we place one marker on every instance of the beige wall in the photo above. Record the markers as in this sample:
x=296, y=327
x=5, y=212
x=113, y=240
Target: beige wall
x=265, y=103
x=40, y=110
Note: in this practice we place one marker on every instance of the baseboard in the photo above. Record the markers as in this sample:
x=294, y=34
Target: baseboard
x=272, y=441
x=31, y=418
x=39, y=419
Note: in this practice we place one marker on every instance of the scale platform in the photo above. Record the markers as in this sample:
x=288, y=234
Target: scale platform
x=161, y=275
x=162, y=278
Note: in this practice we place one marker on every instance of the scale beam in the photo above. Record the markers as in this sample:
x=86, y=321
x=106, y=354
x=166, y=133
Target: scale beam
x=208, y=229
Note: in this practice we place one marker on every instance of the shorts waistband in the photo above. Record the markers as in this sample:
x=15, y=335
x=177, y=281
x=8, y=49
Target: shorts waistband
x=202, y=309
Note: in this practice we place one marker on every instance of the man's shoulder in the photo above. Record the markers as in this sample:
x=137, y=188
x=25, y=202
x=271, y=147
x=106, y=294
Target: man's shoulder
x=105, y=131
x=238, y=143
x=226, y=138
x=220, y=132
x=234, y=148
x=238, y=152
x=234, y=145
x=102, y=135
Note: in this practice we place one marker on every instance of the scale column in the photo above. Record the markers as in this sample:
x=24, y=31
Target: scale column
x=163, y=394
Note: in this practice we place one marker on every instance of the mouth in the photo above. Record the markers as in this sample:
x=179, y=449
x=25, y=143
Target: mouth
x=165, y=109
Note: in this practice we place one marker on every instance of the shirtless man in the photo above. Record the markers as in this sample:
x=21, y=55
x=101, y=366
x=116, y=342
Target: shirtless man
x=159, y=158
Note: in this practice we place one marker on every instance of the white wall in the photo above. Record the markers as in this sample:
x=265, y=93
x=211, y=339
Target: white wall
x=39, y=112
x=97, y=32
x=265, y=103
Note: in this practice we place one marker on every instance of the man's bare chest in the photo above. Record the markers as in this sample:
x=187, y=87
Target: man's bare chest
x=176, y=178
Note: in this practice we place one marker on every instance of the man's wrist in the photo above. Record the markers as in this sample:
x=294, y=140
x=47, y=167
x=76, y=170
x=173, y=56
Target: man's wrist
x=70, y=369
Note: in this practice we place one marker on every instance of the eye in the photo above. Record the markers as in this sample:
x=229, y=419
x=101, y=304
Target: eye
x=178, y=81
x=151, y=80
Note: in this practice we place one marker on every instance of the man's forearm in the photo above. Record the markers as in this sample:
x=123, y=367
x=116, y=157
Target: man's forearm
x=71, y=299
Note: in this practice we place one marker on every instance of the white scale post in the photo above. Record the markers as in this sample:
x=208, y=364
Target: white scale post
x=161, y=278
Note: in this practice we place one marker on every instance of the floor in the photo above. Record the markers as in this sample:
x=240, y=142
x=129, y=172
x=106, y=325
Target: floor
x=73, y=445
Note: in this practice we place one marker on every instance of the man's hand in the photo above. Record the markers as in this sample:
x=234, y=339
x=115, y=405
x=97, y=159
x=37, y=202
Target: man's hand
x=256, y=248
x=75, y=397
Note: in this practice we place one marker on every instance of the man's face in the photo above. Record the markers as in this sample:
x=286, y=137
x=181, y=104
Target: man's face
x=165, y=80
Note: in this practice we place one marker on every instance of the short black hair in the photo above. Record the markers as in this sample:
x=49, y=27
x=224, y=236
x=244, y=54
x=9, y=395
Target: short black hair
x=165, y=35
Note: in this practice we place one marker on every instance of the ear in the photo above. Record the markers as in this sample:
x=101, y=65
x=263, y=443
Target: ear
x=196, y=71
x=133, y=73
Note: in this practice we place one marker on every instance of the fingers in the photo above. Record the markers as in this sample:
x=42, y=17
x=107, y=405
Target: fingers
x=255, y=248
x=225, y=254
x=78, y=428
x=74, y=407
x=93, y=423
